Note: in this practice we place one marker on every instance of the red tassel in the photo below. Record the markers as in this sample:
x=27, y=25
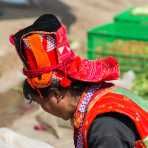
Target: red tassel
x=65, y=82
x=11, y=39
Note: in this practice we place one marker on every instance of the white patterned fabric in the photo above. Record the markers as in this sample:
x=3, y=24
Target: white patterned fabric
x=83, y=108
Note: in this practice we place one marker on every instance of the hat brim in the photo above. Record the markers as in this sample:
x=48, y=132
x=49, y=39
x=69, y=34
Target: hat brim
x=104, y=69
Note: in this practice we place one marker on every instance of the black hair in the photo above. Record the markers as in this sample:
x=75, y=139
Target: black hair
x=76, y=89
x=30, y=93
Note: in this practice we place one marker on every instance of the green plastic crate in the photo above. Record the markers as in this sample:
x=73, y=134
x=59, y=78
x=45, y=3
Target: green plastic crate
x=101, y=36
x=129, y=17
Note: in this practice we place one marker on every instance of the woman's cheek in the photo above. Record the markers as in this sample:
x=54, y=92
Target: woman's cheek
x=46, y=107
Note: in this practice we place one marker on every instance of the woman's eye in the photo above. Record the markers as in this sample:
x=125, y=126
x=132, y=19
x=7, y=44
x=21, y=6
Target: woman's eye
x=58, y=95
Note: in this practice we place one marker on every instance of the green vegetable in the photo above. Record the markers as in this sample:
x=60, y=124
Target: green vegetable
x=140, y=85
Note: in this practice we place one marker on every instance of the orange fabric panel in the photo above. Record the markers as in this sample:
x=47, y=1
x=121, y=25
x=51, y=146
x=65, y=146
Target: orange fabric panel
x=42, y=60
x=35, y=44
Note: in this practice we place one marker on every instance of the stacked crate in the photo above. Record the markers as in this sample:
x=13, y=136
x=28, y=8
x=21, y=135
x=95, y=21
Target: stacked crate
x=126, y=38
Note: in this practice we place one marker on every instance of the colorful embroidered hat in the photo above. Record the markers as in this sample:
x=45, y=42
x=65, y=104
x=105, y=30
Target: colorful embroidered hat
x=45, y=51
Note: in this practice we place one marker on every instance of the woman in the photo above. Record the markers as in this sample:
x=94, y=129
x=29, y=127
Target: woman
x=103, y=115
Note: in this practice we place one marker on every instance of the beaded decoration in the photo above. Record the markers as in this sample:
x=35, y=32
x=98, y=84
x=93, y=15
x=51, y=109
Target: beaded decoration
x=80, y=115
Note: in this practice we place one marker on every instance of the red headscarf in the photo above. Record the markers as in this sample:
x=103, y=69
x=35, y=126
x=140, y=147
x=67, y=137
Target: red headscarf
x=48, y=56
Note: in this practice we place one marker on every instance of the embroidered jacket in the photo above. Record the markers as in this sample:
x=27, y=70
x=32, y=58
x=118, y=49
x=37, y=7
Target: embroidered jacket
x=105, y=98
